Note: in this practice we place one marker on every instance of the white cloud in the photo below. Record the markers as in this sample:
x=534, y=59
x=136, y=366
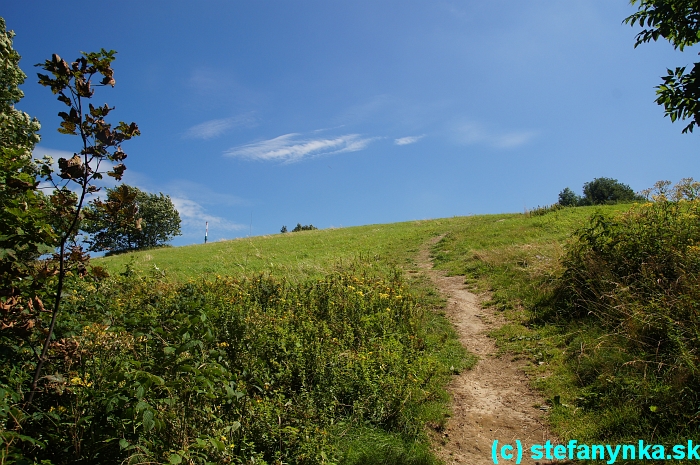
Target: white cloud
x=193, y=214
x=193, y=202
x=408, y=140
x=473, y=133
x=216, y=127
x=39, y=153
x=291, y=148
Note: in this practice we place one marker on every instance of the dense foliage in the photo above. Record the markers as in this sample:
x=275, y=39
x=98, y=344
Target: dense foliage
x=237, y=371
x=606, y=190
x=24, y=223
x=568, y=198
x=130, y=219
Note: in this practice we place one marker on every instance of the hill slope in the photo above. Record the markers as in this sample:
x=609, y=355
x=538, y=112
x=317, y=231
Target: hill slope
x=513, y=257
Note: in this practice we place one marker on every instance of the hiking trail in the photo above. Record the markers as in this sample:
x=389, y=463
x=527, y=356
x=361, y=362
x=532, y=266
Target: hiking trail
x=491, y=401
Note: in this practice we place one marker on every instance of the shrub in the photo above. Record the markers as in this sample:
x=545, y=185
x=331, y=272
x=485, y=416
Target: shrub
x=600, y=191
x=635, y=277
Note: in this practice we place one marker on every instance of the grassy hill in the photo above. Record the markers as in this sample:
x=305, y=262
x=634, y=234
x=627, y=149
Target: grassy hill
x=309, y=253
x=330, y=346
x=293, y=255
x=513, y=257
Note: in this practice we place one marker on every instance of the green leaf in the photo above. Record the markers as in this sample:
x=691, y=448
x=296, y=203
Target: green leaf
x=148, y=422
x=175, y=459
x=123, y=443
x=218, y=444
x=141, y=405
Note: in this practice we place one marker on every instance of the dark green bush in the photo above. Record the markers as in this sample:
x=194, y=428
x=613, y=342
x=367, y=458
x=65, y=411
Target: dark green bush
x=600, y=191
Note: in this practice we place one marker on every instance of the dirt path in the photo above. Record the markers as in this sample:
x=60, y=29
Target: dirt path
x=491, y=401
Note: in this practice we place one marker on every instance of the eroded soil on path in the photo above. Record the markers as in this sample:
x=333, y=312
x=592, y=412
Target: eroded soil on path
x=491, y=401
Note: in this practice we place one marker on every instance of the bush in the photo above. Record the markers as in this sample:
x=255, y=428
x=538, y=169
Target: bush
x=634, y=281
x=600, y=191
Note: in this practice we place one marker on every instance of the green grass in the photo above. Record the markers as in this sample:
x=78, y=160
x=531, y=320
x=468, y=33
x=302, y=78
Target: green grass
x=295, y=256
x=515, y=261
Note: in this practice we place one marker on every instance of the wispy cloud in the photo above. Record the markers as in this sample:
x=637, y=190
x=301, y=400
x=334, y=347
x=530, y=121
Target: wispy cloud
x=216, y=127
x=408, y=140
x=474, y=133
x=193, y=215
x=203, y=194
x=290, y=148
x=195, y=202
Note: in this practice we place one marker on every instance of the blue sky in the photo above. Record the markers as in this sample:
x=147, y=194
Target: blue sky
x=341, y=113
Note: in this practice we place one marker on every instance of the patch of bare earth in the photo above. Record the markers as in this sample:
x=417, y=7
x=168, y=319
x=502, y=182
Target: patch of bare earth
x=492, y=401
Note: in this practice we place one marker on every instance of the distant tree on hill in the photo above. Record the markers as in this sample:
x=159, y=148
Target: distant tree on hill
x=308, y=227
x=283, y=230
x=600, y=191
x=607, y=190
x=131, y=219
x=568, y=198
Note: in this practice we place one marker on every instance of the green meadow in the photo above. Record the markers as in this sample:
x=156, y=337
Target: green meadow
x=293, y=255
